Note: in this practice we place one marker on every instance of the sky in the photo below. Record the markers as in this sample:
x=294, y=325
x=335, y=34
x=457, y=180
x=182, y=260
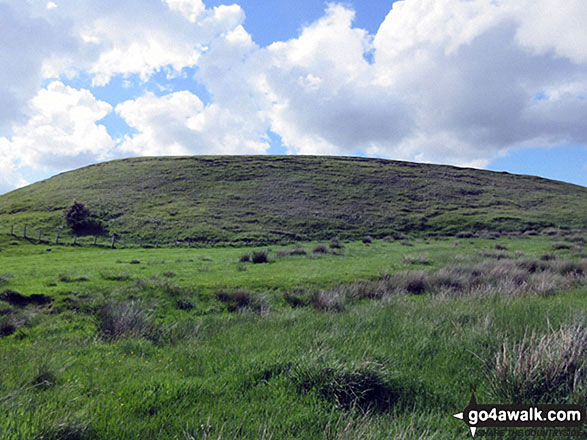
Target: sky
x=491, y=84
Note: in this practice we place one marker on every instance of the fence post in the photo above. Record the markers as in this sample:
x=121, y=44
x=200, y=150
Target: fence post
x=40, y=235
x=113, y=241
x=74, y=240
x=95, y=239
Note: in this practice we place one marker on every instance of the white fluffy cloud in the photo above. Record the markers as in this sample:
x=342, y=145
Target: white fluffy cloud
x=451, y=81
x=26, y=41
x=63, y=131
x=180, y=124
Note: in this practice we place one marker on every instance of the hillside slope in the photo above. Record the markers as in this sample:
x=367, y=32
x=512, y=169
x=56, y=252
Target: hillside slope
x=271, y=198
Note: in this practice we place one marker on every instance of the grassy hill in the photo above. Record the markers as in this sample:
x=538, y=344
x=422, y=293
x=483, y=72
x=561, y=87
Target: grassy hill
x=257, y=199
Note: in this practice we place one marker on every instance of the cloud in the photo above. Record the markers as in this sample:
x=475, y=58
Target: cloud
x=141, y=36
x=63, y=131
x=27, y=40
x=10, y=178
x=450, y=81
x=180, y=124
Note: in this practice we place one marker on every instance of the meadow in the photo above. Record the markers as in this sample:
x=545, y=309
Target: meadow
x=339, y=339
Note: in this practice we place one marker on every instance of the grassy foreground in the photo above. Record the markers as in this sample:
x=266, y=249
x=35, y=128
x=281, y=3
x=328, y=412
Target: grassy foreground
x=369, y=340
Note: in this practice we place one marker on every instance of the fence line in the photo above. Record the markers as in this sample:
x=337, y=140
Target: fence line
x=64, y=238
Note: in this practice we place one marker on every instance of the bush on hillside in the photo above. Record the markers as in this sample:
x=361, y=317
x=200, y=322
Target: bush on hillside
x=78, y=218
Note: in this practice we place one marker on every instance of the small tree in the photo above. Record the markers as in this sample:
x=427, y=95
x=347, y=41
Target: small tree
x=76, y=215
x=78, y=219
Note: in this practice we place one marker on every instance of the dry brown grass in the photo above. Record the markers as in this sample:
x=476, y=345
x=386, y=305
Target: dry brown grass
x=542, y=368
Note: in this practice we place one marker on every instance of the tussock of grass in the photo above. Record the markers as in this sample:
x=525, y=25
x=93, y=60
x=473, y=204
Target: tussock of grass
x=5, y=278
x=297, y=298
x=368, y=386
x=130, y=319
x=422, y=259
x=543, y=368
x=241, y=300
x=329, y=300
x=320, y=249
x=335, y=243
x=260, y=257
x=184, y=305
x=67, y=430
x=504, y=277
x=45, y=377
x=9, y=324
x=124, y=276
x=297, y=250
x=497, y=254
x=69, y=278
x=164, y=285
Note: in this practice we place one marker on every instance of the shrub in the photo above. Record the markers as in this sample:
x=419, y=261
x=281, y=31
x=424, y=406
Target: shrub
x=465, y=234
x=245, y=258
x=368, y=239
x=78, y=219
x=260, y=257
x=542, y=369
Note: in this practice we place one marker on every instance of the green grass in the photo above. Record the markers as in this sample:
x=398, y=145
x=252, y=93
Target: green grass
x=394, y=367
x=272, y=199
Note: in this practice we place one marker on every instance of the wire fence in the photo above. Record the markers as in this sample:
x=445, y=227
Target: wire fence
x=63, y=237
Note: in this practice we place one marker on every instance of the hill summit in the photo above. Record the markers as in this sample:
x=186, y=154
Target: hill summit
x=264, y=199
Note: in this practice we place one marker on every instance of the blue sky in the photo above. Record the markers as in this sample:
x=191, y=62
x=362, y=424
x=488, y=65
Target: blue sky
x=490, y=84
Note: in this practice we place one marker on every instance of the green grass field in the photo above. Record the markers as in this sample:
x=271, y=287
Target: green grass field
x=373, y=341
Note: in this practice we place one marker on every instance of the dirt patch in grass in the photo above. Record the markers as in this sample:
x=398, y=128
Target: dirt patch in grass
x=19, y=300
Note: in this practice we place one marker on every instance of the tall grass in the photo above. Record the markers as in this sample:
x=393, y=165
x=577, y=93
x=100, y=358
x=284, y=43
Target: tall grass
x=543, y=368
